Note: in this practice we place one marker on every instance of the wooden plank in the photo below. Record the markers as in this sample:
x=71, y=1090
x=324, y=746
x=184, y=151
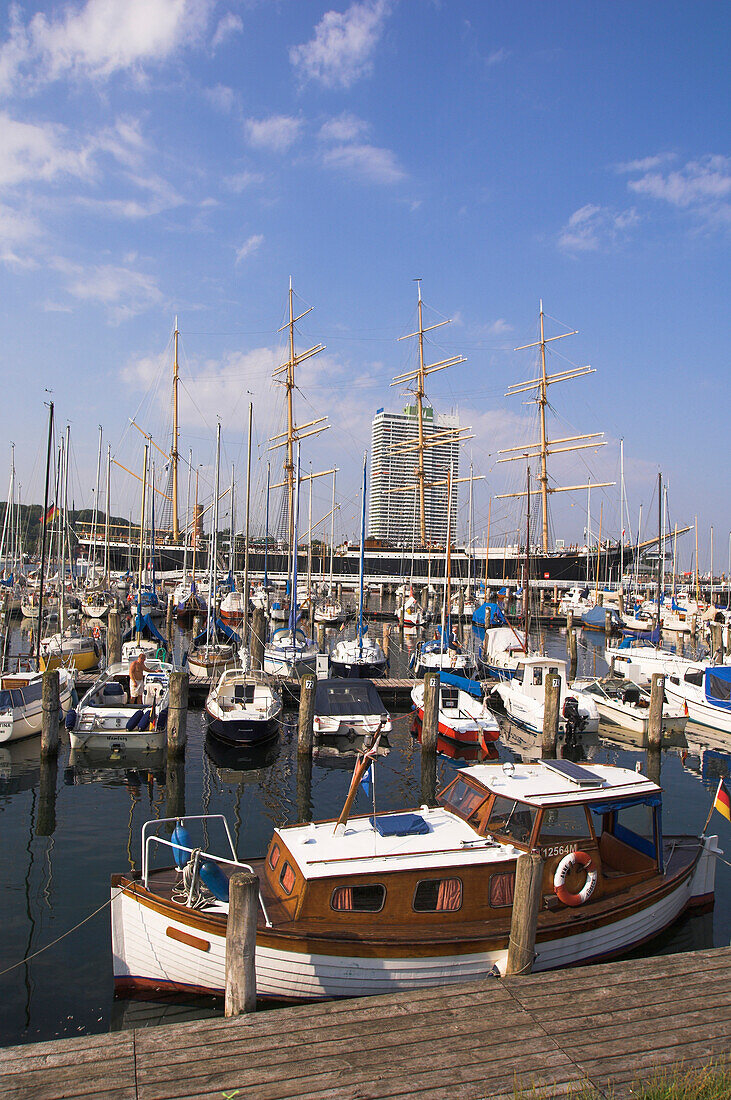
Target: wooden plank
x=623, y=992
x=662, y=997
x=58, y=1071
x=63, y=1047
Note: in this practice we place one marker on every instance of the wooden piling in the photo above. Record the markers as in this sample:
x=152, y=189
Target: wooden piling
x=569, y=621
x=551, y=704
x=620, y=596
x=243, y=908
x=716, y=643
x=386, y=638
x=114, y=637
x=321, y=637
x=460, y=602
x=654, y=718
x=177, y=713
x=46, y=817
x=607, y=621
x=175, y=786
x=526, y=905
x=424, y=599
x=600, y=599
x=430, y=722
x=304, y=786
x=51, y=712
x=256, y=638
x=693, y=624
x=305, y=726
x=573, y=656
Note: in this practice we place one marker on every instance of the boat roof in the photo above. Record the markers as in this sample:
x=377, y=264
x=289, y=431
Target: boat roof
x=337, y=698
x=441, y=838
x=546, y=783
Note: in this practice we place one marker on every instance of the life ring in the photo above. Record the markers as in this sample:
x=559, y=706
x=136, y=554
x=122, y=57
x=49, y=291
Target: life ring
x=575, y=859
x=95, y=630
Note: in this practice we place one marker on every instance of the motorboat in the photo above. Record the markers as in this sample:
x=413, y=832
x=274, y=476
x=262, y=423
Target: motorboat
x=625, y=704
x=21, y=702
x=523, y=695
x=106, y=718
x=502, y=650
x=243, y=708
x=70, y=649
x=354, y=653
x=704, y=691
x=638, y=660
x=461, y=717
x=399, y=901
x=441, y=654
x=349, y=709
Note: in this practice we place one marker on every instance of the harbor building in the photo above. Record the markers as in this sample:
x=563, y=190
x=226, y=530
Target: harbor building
x=393, y=503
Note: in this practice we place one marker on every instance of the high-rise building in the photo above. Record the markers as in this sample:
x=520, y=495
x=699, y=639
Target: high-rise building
x=393, y=505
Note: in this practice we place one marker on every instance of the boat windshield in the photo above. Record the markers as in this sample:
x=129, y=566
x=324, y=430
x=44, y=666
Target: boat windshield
x=511, y=820
x=464, y=799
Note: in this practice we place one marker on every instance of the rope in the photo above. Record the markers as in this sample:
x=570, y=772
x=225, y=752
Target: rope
x=63, y=936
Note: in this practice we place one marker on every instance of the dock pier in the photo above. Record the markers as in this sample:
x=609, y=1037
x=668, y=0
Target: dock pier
x=600, y=1028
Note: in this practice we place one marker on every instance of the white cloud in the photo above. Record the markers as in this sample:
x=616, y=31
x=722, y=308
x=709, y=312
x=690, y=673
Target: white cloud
x=242, y=180
x=124, y=292
x=702, y=186
x=341, y=51
x=593, y=227
x=249, y=247
x=228, y=26
x=222, y=98
x=343, y=128
x=497, y=56
x=645, y=164
x=97, y=39
x=365, y=162
x=17, y=230
x=499, y=328
x=35, y=153
x=278, y=132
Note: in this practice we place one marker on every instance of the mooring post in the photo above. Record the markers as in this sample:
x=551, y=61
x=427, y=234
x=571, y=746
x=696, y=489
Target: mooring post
x=430, y=721
x=177, y=713
x=607, y=621
x=256, y=639
x=321, y=637
x=600, y=599
x=50, y=703
x=175, y=786
x=114, y=637
x=308, y=686
x=424, y=598
x=46, y=819
x=573, y=655
x=620, y=599
x=551, y=704
x=716, y=643
x=243, y=906
x=569, y=621
x=386, y=638
x=460, y=602
x=304, y=786
x=693, y=624
x=526, y=905
x=654, y=718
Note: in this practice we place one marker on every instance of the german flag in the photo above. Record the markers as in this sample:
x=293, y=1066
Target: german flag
x=722, y=802
x=50, y=514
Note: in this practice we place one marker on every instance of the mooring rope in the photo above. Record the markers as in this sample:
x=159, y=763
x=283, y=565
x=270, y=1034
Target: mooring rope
x=58, y=939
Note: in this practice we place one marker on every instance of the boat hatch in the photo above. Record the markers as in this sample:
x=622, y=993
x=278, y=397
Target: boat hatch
x=582, y=777
x=400, y=825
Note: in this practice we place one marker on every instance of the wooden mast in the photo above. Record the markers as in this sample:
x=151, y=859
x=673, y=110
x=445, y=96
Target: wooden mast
x=418, y=376
x=174, y=449
x=546, y=447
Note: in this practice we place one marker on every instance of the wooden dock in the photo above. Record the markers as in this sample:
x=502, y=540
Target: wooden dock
x=594, y=1027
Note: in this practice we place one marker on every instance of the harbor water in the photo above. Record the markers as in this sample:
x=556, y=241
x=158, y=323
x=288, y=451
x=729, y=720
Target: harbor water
x=67, y=826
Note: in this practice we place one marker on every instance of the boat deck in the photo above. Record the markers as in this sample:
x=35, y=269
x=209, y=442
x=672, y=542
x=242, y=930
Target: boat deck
x=606, y=1026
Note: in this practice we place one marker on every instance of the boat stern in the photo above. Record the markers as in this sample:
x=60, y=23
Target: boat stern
x=704, y=876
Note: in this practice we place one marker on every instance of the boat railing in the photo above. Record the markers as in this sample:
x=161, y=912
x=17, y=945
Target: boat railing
x=149, y=838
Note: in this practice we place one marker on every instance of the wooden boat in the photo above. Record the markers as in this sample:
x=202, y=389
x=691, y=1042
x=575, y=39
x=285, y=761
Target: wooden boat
x=243, y=708
x=399, y=901
x=21, y=706
x=233, y=607
x=462, y=718
x=623, y=703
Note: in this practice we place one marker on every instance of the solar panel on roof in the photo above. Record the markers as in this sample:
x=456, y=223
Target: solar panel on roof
x=574, y=773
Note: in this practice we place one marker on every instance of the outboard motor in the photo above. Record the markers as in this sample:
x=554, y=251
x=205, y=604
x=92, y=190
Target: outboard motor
x=574, y=720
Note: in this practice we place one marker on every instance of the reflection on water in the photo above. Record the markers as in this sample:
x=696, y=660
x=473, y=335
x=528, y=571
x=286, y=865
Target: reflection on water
x=68, y=826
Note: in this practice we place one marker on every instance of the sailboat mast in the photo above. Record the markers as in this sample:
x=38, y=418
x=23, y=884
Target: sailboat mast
x=469, y=538
x=362, y=554
x=107, y=516
x=542, y=402
x=621, y=511
x=309, y=550
x=248, y=510
x=174, y=448
x=289, y=465
x=232, y=525
x=659, y=542
x=142, y=539
x=43, y=535
x=186, y=536
x=332, y=535
x=62, y=598
x=266, y=532
x=526, y=584
x=96, y=502
x=420, y=415
x=445, y=601
x=214, y=537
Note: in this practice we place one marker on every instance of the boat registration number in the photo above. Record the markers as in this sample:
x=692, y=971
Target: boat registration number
x=558, y=850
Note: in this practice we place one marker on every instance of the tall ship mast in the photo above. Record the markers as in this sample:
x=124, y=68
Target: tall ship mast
x=545, y=447
x=175, y=440
x=417, y=376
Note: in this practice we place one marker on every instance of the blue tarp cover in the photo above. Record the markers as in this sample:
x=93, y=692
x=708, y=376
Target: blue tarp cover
x=146, y=628
x=218, y=629
x=488, y=614
x=717, y=684
x=400, y=825
x=472, y=687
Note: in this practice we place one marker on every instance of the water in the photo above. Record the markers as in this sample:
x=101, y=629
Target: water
x=57, y=854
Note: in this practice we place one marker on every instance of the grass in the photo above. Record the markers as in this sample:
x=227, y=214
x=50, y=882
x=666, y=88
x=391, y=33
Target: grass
x=711, y=1082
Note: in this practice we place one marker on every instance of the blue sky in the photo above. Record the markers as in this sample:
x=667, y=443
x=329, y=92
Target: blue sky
x=187, y=157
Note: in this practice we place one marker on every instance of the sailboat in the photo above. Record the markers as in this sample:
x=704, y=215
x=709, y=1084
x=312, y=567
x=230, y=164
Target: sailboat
x=357, y=654
x=329, y=611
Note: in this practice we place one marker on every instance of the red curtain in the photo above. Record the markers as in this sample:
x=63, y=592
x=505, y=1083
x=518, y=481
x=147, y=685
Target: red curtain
x=343, y=898
x=449, y=896
x=502, y=888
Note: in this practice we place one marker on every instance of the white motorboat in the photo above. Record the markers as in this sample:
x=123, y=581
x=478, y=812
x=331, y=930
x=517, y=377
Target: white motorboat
x=462, y=717
x=350, y=709
x=704, y=691
x=355, y=654
x=243, y=708
x=21, y=704
x=106, y=719
x=625, y=704
x=637, y=661
x=523, y=695
x=71, y=649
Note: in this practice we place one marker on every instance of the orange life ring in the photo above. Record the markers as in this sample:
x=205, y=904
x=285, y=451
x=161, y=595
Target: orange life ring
x=95, y=630
x=580, y=859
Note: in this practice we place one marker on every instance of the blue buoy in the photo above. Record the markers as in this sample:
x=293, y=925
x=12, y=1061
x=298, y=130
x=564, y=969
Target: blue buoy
x=133, y=720
x=70, y=720
x=162, y=719
x=213, y=877
x=181, y=836
x=144, y=722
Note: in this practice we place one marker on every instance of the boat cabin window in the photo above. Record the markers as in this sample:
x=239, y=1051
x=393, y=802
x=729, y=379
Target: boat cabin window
x=565, y=823
x=511, y=820
x=501, y=889
x=463, y=798
x=359, y=899
x=694, y=676
x=718, y=688
x=450, y=697
x=438, y=895
x=537, y=676
x=287, y=878
x=637, y=826
x=274, y=854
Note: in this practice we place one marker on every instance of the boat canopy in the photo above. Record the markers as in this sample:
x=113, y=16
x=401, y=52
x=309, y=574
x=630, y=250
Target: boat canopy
x=718, y=686
x=216, y=630
x=488, y=614
x=344, y=698
x=144, y=626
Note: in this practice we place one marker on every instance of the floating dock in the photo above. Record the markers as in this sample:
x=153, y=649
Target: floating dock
x=604, y=1027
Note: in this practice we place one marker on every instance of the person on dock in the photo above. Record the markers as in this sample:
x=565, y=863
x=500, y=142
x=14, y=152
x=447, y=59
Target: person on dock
x=136, y=678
